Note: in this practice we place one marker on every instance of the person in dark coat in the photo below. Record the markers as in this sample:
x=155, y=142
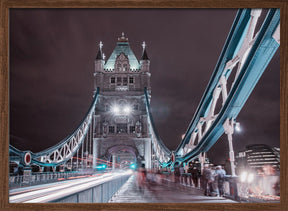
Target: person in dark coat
x=195, y=175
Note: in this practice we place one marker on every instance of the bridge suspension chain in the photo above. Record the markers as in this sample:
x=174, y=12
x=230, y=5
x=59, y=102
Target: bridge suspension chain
x=162, y=153
x=64, y=151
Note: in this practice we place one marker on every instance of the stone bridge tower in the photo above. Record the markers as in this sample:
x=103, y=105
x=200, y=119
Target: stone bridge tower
x=121, y=130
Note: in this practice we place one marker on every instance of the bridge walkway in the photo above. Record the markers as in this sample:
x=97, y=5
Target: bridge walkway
x=162, y=193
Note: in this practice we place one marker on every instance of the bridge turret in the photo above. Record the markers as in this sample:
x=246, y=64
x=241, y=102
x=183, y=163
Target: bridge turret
x=145, y=68
x=99, y=67
x=100, y=59
x=144, y=61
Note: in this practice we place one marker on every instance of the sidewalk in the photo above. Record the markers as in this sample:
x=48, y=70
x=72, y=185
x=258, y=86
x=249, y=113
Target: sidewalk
x=158, y=193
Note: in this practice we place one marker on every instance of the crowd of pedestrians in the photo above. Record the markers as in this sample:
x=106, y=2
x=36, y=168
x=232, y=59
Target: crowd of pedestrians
x=213, y=180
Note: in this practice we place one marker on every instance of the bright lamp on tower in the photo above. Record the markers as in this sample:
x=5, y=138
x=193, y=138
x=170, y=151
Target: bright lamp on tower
x=127, y=110
x=115, y=110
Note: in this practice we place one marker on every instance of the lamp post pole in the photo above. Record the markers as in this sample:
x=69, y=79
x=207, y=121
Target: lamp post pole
x=229, y=130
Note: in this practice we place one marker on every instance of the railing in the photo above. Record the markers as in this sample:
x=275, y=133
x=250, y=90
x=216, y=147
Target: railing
x=100, y=193
x=20, y=181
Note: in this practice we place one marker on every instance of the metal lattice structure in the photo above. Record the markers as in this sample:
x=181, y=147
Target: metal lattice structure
x=62, y=152
x=245, y=52
x=248, y=53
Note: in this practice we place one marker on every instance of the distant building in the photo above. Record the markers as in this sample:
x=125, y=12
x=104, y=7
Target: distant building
x=257, y=156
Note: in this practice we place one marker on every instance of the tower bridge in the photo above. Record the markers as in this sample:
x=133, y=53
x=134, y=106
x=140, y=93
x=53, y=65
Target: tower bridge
x=118, y=129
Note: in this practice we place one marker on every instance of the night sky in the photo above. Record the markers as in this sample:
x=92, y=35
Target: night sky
x=52, y=54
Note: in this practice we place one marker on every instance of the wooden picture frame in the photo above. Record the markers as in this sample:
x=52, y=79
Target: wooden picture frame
x=4, y=93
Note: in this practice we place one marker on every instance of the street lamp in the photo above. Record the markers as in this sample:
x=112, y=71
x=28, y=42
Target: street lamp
x=229, y=126
x=246, y=177
x=237, y=127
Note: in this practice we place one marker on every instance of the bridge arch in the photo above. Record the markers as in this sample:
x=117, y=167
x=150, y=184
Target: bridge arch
x=123, y=152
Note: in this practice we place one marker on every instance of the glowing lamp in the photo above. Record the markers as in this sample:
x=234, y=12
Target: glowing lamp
x=237, y=127
x=250, y=178
x=127, y=110
x=133, y=166
x=115, y=110
x=243, y=176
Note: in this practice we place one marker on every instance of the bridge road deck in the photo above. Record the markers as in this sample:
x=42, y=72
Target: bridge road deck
x=162, y=193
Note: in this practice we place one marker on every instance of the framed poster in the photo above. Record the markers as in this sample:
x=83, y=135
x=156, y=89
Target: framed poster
x=51, y=51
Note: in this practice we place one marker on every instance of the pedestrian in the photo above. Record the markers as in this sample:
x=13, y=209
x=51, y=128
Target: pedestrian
x=207, y=180
x=220, y=176
x=177, y=175
x=186, y=168
x=195, y=176
x=141, y=177
x=181, y=169
x=190, y=175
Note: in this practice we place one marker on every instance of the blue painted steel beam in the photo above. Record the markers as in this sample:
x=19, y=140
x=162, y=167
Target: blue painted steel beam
x=231, y=47
x=34, y=156
x=259, y=57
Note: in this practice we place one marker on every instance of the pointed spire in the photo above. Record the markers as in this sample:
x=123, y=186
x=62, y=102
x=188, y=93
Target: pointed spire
x=144, y=45
x=99, y=55
x=100, y=45
x=144, y=54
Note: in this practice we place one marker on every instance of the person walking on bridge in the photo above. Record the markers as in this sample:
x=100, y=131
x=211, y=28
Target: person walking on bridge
x=207, y=180
x=141, y=178
x=220, y=176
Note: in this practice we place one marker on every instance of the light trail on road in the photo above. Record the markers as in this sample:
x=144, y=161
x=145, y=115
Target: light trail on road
x=54, y=191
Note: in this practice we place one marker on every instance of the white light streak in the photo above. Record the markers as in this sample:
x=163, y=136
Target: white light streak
x=62, y=189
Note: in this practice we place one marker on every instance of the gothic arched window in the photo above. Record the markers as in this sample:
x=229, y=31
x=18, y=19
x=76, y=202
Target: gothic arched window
x=119, y=67
x=122, y=63
x=125, y=67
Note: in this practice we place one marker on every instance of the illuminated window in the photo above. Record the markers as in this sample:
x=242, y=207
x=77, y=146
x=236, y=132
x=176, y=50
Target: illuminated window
x=125, y=67
x=119, y=67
